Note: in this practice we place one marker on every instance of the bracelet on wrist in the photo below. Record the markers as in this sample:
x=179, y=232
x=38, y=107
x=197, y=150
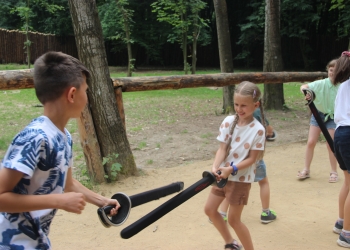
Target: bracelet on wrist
x=234, y=169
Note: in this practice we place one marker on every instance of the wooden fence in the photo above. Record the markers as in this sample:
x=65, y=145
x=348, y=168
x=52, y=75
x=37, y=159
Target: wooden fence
x=12, y=45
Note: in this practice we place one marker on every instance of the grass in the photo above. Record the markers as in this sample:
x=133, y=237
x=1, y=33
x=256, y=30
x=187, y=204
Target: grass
x=19, y=107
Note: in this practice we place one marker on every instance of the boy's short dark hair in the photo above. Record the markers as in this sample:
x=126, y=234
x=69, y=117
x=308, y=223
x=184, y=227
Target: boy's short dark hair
x=54, y=72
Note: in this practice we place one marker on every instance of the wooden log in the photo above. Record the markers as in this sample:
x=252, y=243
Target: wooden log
x=16, y=79
x=21, y=79
x=130, y=84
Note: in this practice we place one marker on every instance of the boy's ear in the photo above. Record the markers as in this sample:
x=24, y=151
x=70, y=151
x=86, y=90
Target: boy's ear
x=71, y=91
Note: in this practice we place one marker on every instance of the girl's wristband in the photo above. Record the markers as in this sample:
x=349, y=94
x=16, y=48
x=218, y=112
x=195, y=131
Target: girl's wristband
x=234, y=169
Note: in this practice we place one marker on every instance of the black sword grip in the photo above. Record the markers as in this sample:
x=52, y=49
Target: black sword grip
x=166, y=207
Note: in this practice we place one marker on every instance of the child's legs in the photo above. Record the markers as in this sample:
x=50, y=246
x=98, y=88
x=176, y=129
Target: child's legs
x=314, y=133
x=234, y=219
x=224, y=206
x=342, y=153
x=332, y=159
x=261, y=177
x=265, y=193
x=211, y=210
x=343, y=194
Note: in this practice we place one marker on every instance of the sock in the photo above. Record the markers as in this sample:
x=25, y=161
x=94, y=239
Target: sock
x=223, y=213
x=345, y=233
x=267, y=211
x=340, y=221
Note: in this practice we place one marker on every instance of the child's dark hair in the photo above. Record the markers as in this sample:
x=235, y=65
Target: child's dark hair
x=248, y=89
x=341, y=71
x=54, y=72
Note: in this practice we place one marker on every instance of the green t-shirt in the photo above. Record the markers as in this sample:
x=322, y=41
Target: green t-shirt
x=325, y=96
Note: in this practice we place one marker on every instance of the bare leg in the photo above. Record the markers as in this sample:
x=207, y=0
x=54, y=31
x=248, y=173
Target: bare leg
x=224, y=206
x=265, y=193
x=211, y=210
x=234, y=219
x=344, y=201
x=314, y=133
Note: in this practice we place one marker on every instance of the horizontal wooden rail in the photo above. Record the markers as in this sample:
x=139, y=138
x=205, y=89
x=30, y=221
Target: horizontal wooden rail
x=22, y=79
x=129, y=84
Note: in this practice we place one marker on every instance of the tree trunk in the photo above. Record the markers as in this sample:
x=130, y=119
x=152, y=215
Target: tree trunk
x=184, y=44
x=273, y=93
x=108, y=124
x=194, y=45
x=225, y=54
x=127, y=36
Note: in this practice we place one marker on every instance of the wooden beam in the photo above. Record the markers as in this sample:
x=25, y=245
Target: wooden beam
x=16, y=79
x=130, y=84
x=21, y=79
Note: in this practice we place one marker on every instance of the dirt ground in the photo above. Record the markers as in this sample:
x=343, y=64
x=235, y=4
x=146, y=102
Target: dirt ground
x=306, y=210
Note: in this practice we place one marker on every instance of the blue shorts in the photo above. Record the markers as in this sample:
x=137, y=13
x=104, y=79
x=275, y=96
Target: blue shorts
x=260, y=171
x=330, y=124
x=342, y=147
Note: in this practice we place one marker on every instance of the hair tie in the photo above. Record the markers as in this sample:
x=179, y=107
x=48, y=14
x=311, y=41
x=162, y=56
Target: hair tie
x=254, y=93
x=345, y=53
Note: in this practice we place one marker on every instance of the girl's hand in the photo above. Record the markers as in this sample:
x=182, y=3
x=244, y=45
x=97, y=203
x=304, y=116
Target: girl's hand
x=225, y=172
x=114, y=203
x=307, y=97
x=72, y=202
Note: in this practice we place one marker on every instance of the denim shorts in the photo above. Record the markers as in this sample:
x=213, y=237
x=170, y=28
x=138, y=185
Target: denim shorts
x=260, y=171
x=342, y=147
x=330, y=124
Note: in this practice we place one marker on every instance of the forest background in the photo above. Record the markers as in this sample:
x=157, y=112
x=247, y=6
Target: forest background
x=312, y=32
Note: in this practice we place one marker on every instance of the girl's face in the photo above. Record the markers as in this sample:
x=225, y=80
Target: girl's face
x=330, y=72
x=245, y=106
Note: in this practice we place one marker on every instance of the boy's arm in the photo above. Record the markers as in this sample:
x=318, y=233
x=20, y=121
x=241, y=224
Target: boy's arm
x=73, y=185
x=17, y=203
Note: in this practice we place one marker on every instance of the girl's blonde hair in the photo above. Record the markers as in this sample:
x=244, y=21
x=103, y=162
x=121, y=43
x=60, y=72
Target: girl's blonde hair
x=246, y=88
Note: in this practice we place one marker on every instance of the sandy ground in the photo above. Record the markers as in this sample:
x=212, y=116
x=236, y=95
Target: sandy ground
x=306, y=210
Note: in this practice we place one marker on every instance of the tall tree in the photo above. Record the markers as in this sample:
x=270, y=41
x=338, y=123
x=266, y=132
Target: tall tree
x=273, y=93
x=225, y=53
x=108, y=124
x=182, y=16
x=126, y=15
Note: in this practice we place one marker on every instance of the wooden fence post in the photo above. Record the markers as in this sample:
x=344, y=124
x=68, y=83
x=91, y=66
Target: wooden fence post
x=119, y=96
x=91, y=148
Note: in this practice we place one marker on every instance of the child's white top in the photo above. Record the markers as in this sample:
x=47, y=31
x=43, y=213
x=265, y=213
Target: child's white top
x=244, y=139
x=342, y=105
x=43, y=153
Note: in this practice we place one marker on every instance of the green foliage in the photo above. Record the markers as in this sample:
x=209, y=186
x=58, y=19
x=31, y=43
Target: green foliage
x=43, y=16
x=115, y=167
x=252, y=30
x=343, y=22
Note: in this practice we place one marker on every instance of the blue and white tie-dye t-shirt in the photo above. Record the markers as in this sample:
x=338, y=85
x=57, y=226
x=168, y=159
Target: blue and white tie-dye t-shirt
x=43, y=153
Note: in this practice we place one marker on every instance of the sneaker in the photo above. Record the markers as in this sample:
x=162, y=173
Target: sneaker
x=222, y=215
x=271, y=137
x=343, y=241
x=337, y=228
x=234, y=246
x=267, y=218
